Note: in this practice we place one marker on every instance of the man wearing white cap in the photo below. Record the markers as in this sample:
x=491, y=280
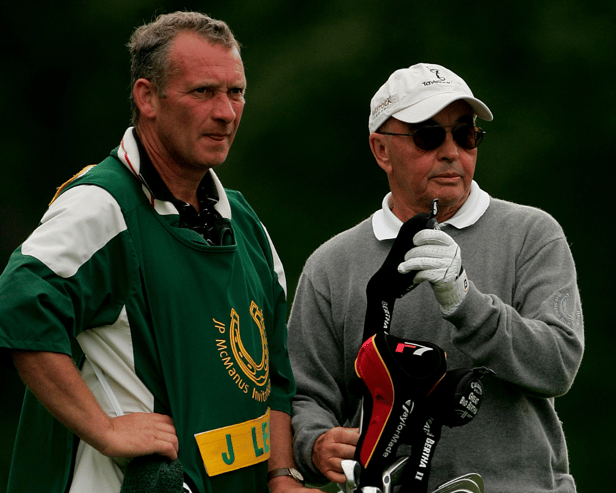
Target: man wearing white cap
x=501, y=293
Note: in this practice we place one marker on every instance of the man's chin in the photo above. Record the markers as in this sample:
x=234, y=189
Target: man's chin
x=450, y=204
x=213, y=159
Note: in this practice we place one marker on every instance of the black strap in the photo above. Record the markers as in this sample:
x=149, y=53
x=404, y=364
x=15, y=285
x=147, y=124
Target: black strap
x=387, y=284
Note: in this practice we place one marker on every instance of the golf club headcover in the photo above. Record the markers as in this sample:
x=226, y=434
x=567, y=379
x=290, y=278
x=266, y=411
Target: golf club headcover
x=397, y=376
x=457, y=398
x=387, y=284
x=454, y=402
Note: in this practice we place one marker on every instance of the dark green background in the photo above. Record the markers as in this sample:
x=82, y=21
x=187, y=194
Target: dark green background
x=545, y=68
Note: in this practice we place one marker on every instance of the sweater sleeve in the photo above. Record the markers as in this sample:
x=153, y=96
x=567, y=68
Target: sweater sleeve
x=318, y=398
x=325, y=334
x=323, y=400
x=535, y=339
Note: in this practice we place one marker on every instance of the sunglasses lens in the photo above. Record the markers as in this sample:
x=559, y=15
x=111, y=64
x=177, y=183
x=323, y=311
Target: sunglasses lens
x=429, y=138
x=467, y=136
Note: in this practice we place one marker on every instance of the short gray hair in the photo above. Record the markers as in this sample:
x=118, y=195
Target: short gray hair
x=149, y=46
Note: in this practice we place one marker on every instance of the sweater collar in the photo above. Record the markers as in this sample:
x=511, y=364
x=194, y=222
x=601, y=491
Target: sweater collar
x=386, y=224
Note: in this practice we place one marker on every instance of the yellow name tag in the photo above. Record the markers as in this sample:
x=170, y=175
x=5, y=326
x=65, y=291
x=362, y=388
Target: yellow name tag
x=236, y=446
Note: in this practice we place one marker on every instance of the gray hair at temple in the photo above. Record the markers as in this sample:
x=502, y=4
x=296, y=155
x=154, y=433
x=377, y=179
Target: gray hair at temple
x=150, y=44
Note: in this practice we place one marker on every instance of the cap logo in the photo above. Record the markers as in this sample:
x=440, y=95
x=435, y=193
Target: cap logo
x=435, y=71
x=440, y=79
x=381, y=107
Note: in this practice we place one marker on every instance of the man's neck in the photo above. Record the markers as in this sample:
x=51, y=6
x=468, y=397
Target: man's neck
x=182, y=182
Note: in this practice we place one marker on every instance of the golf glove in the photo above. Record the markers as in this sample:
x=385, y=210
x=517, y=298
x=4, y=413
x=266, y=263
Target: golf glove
x=437, y=259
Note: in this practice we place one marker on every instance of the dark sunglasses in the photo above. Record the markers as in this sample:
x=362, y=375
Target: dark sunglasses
x=430, y=137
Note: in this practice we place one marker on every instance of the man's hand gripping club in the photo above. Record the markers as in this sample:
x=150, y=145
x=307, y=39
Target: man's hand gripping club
x=331, y=448
x=437, y=259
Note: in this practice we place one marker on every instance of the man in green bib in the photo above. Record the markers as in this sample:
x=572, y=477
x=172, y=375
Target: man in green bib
x=146, y=314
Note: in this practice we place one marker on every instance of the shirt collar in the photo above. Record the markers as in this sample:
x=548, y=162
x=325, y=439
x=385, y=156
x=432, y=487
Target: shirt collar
x=386, y=224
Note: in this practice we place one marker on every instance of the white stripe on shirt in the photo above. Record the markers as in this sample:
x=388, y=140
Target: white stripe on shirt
x=78, y=224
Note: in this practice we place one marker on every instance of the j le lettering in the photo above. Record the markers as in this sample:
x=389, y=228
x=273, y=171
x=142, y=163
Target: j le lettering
x=234, y=447
x=259, y=447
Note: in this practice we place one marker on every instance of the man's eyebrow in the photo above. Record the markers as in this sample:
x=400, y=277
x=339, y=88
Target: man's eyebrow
x=214, y=84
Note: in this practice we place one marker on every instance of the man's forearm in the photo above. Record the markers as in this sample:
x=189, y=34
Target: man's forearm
x=281, y=445
x=281, y=441
x=58, y=385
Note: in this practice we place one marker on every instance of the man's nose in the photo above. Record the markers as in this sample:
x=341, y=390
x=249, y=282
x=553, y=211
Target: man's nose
x=449, y=149
x=223, y=108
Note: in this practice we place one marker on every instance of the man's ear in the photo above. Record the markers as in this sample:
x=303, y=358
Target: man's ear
x=380, y=150
x=146, y=98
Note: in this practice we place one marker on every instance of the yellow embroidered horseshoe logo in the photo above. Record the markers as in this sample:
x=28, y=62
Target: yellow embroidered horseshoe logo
x=258, y=373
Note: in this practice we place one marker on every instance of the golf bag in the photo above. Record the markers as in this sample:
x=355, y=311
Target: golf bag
x=407, y=392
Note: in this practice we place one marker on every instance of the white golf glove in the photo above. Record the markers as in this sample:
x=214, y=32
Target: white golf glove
x=437, y=259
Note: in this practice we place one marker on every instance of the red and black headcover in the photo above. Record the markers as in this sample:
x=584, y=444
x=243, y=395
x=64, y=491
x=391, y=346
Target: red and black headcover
x=398, y=377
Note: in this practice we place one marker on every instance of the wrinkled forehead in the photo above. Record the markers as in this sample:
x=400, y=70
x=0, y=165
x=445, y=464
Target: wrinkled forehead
x=192, y=44
x=192, y=54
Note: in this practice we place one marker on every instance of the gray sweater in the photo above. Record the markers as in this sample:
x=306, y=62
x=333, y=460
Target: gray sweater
x=521, y=317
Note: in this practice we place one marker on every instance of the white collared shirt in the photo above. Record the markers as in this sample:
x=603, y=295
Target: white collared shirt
x=386, y=224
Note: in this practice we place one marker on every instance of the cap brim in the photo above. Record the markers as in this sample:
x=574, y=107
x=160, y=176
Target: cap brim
x=429, y=107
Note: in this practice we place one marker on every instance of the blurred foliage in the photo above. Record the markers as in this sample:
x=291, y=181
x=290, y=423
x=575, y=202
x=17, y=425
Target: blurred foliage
x=545, y=69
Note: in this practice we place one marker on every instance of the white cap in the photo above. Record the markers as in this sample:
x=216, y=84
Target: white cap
x=417, y=93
